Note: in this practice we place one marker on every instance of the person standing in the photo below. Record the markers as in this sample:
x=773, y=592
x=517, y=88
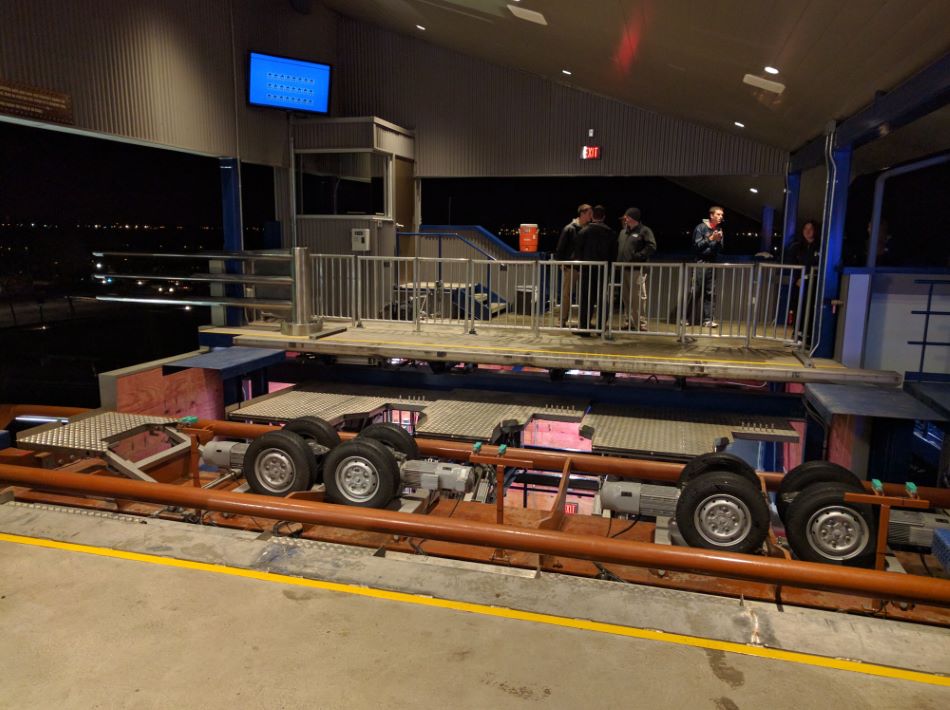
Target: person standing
x=595, y=242
x=565, y=251
x=707, y=244
x=804, y=251
x=635, y=245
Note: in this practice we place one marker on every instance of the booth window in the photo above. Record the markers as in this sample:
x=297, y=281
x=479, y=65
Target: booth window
x=341, y=183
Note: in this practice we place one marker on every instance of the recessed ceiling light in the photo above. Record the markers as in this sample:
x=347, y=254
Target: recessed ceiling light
x=754, y=190
x=771, y=70
x=566, y=72
x=523, y=13
x=420, y=27
x=739, y=125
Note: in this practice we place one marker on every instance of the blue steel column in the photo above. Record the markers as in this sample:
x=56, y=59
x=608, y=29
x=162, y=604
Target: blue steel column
x=836, y=207
x=768, y=225
x=232, y=226
x=793, y=187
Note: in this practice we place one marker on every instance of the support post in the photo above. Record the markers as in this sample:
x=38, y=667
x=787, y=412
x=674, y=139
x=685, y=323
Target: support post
x=232, y=226
x=832, y=241
x=302, y=322
x=793, y=188
x=768, y=225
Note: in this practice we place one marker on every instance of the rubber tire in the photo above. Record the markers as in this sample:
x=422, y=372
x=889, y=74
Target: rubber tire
x=706, y=485
x=393, y=436
x=296, y=449
x=719, y=462
x=315, y=429
x=381, y=458
x=815, y=497
x=808, y=474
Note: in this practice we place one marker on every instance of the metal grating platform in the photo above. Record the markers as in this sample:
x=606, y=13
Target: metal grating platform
x=87, y=435
x=332, y=403
x=475, y=415
x=654, y=431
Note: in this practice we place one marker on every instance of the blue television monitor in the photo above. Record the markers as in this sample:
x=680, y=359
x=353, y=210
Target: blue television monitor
x=289, y=84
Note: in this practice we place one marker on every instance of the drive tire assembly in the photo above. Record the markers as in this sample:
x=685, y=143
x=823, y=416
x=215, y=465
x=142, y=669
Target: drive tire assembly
x=721, y=462
x=318, y=431
x=361, y=472
x=393, y=437
x=278, y=463
x=804, y=476
x=722, y=510
x=822, y=527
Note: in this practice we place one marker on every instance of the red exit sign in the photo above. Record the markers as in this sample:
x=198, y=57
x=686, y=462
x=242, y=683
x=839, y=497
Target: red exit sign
x=590, y=152
x=570, y=508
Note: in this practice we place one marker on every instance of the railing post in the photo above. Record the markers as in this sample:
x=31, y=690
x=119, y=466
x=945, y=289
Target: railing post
x=681, y=302
x=470, y=296
x=536, y=296
x=302, y=322
x=798, y=336
x=752, y=320
x=356, y=292
x=607, y=300
x=415, y=293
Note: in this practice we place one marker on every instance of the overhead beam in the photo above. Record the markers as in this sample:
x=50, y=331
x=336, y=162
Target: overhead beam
x=923, y=93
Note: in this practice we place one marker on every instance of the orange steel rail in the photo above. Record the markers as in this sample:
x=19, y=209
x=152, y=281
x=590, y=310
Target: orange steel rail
x=868, y=583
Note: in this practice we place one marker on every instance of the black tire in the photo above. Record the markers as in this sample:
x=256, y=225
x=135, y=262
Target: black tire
x=393, y=436
x=723, y=511
x=315, y=429
x=825, y=501
x=361, y=472
x=718, y=462
x=808, y=474
x=278, y=463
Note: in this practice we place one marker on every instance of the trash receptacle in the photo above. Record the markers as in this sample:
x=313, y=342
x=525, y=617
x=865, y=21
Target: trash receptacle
x=524, y=298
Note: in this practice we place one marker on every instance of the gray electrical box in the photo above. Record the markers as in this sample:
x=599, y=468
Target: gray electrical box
x=360, y=237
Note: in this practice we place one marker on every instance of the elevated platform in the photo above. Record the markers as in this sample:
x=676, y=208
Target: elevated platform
x=727, y=358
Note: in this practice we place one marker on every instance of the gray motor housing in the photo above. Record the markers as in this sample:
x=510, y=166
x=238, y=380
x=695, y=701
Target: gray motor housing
x=437, y=475
x=228, y=455
x=636, y=498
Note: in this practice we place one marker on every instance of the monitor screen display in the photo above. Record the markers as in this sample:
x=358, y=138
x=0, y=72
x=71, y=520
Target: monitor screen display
x=288, y=83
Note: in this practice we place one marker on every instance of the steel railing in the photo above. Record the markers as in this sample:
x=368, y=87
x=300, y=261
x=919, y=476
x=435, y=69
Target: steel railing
x=763, y=301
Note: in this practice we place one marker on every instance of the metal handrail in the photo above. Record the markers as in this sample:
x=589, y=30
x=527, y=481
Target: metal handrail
x=439, y=236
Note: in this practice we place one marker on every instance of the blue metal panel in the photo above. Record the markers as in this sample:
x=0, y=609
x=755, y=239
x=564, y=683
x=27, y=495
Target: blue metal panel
x=836, y=208
x=230, y=362
x=6, y=441
x=232, y=226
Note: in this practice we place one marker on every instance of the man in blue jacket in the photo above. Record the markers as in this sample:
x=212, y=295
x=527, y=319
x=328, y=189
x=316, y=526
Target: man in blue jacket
x=707, y=244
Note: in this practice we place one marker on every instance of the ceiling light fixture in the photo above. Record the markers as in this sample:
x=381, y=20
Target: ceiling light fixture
x=776, y=87
x=567, y=72
x=523, y=13
x=754, y=190
x=771, y=70
x=420, y=27
x=738, y=125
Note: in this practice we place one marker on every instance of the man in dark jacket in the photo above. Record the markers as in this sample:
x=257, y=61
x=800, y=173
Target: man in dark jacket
x=635, y=245
x=564, y=251
x=707, y=243
x=595, y=242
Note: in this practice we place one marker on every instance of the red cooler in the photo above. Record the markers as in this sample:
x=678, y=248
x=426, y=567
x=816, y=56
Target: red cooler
x=528, y=237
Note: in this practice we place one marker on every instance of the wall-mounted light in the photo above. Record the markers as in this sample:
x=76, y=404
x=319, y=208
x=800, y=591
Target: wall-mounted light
x=420, y=27
x=754, y=190
x=738, y=125
x=771, y=70
x=567, y=72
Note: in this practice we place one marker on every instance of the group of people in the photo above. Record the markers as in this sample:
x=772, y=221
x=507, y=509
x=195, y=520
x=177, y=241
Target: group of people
x=588, y=237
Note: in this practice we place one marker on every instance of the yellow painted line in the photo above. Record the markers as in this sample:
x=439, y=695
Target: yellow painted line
x=575, y=353
x=500, y=612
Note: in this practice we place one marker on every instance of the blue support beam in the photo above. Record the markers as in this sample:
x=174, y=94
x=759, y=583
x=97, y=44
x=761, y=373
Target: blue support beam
x=833, y=222
x=919, y=95
x=793, y=188
x=232, y=225
x=768, y=226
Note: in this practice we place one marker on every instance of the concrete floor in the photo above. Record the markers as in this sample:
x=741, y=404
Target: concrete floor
x=80, y=631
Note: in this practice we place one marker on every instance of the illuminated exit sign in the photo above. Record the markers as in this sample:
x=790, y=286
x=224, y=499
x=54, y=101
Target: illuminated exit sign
x=590, y=152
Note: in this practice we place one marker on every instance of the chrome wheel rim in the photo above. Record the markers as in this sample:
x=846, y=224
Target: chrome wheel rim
x=722, y=520
x=837, y=532
x=357, y=479
x=275, y=470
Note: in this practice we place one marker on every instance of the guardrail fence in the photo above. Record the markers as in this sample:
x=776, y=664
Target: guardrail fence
x=751, y=302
